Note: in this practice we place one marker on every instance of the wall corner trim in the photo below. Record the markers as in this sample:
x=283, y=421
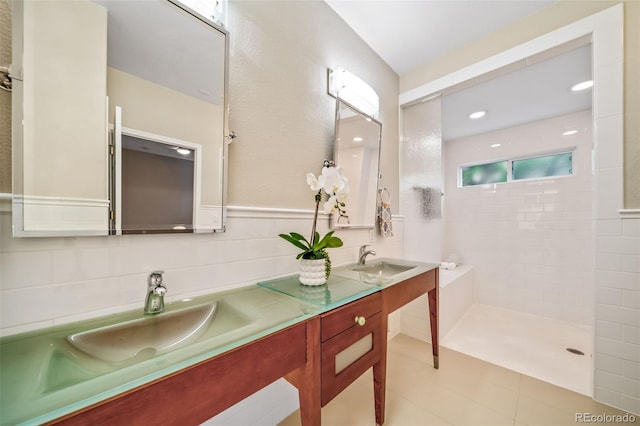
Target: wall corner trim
x=629, y=213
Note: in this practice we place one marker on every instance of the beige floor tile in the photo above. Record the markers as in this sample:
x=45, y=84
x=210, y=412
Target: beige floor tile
x=476, y=388
x=464, y=391
x=561, y=398
x=292, y=420
x=413, y=348
x=452, y=406
x=490, y=372
x=533, y=412
x=401, y=412
x=345, y=413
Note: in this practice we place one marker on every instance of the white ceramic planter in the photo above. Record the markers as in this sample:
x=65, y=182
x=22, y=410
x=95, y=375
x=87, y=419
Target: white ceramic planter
x=313, y=272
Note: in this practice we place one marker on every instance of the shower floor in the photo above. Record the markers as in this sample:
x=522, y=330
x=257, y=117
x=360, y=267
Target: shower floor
x=529, y=344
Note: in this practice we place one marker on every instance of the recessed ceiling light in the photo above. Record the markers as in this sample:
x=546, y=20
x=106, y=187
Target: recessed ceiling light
x=495, y=145
x=179, y=227
x=477, y=114
x=582, y=86
x=183, y=151
x=357, y=139
x=570, y=132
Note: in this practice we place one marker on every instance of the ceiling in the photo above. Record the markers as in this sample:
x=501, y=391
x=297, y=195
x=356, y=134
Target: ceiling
x=161, y=43
x=534, y=92
x=411, y=33
x=424, y=30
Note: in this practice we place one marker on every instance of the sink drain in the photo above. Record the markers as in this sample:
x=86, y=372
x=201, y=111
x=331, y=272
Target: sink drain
x=575, y=351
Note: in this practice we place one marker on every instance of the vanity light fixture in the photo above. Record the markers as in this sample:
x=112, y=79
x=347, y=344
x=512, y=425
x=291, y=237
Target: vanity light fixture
x=183, y=151
x=570, y=132
x=477, y=114
x=495, y=145
x=582, y=86
x=352, y=89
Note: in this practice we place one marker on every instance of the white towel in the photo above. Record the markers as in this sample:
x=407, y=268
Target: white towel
x=385, y=224
x=448, y=265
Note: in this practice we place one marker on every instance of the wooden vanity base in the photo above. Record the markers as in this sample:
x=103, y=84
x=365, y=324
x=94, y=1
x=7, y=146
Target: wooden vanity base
x=304, y=354
x=197, y=393
x=398, y=295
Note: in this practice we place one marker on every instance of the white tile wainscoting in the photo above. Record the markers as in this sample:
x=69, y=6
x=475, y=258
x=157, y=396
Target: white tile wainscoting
x=51, y=281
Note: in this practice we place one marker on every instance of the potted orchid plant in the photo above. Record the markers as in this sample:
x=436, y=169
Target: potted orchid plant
x=315, y=264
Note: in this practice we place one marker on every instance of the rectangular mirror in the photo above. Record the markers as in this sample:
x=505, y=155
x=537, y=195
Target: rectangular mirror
x=357, y=151
x=165, y=67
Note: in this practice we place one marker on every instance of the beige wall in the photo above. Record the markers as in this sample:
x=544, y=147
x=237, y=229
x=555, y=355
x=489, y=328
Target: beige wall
x=549, y=19
x=152, y=108
x=279, y=106
x=279, y=55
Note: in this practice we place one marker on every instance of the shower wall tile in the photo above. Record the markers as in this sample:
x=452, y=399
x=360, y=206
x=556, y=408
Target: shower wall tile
x=630, y=369
x=608, y=363
x=618, y=324
x=532, y=242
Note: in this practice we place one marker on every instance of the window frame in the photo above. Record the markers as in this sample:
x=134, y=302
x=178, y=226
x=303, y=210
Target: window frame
x=510, y=160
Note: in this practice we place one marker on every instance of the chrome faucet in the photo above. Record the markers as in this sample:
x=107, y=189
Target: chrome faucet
x=364, y=253
x=154, y=303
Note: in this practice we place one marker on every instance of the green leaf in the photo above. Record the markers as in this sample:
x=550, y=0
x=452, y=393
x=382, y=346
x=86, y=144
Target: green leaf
x=334, y=242
x=299, y=237
x=323, y=243
x=295, y=241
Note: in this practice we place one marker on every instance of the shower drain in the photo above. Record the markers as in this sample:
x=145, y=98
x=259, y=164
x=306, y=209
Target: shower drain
x=575, y=351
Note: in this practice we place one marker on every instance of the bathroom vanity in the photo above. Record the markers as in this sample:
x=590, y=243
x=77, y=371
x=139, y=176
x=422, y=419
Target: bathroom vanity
x=319, y=339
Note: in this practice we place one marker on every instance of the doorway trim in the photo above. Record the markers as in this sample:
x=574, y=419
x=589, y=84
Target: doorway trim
x=605, y=29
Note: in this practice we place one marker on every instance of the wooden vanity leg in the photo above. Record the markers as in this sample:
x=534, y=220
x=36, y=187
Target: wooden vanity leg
x=433, y=317
x=380, y=377
x=307, y=379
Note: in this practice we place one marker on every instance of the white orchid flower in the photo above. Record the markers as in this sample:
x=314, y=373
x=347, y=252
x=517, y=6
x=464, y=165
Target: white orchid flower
x=315, y=183
x=330, y=205
x=334, y=182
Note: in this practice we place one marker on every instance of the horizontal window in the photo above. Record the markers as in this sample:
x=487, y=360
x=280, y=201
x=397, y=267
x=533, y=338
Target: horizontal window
x=546, y=166
x=537, y=167
x=481, y=174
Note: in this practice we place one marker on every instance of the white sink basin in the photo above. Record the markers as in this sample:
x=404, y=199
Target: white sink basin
x=383, y=268
x=380, y=271
x=145, y=337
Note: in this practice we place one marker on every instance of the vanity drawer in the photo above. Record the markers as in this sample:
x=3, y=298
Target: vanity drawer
x=348, y=355
x=343, y=318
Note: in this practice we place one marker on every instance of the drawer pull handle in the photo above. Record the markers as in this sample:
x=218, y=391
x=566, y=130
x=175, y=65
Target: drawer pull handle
x=360, y=320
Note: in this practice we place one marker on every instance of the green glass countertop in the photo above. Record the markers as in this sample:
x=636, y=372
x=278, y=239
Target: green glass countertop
x=336, y=292
x=43, y=377
x=347, y=283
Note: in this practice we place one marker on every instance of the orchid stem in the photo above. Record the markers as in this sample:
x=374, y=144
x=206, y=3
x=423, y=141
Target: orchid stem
x=315, y=218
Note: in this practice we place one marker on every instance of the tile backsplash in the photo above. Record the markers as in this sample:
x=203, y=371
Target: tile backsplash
x=49, y=281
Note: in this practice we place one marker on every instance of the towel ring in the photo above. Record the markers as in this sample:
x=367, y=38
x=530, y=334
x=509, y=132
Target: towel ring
x=383, y=192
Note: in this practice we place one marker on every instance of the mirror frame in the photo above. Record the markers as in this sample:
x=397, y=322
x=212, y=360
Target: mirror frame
x=105, y=206
x=334, y=221
x=115, y=225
